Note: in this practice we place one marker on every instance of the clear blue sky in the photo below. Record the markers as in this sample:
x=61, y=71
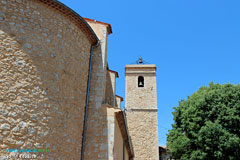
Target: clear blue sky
x=192, y=42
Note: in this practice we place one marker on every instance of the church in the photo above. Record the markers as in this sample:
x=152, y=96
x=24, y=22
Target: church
x=58, y=93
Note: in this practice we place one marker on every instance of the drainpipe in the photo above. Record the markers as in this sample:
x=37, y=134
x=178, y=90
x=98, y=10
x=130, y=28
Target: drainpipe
x=123, y=149
x=87, y=100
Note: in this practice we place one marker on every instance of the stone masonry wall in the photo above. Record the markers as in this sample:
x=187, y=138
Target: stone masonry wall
x=97, y=122
x=97, y=127
x=141, y=97
x=110, y=89
x=43, y=79
x=141, y=111
x=142, y=127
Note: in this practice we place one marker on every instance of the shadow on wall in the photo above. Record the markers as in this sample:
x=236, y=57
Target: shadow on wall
x=109, y=92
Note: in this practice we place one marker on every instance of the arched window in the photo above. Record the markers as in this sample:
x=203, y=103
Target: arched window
x=140, y=81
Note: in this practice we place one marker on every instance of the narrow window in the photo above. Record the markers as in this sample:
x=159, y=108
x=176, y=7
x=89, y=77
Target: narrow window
x=140, y=81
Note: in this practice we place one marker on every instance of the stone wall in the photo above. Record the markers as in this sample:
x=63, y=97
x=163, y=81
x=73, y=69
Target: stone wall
x=110, y=90
x=43, y=79
x=141, y=111
x=120, y=149
x=141, y=97
x=143, y=129
x=97, y=125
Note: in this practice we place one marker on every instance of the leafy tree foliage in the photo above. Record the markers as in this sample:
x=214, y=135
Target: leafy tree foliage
x=207, y=125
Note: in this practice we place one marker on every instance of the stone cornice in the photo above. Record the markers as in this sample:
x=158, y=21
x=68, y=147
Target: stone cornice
x=142, y=66
x=74, y=17
x=142, y=109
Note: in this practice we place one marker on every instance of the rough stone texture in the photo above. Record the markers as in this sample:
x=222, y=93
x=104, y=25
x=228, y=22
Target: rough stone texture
x=141, y=97
x=110, y=89
x=44, y=60
x=100, y=135
x=97, y=126
x=142, y=126
x=141, y=111
x=43, y=79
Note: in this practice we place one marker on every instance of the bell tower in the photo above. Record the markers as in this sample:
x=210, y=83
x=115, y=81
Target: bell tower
x=141, y=109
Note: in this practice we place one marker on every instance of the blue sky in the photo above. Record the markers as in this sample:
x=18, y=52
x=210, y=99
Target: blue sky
x=192, y=42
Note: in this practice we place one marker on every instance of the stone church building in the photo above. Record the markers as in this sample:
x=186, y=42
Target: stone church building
x=58, y=95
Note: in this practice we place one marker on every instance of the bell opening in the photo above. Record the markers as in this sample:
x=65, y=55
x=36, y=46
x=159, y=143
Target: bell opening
x=140, y=81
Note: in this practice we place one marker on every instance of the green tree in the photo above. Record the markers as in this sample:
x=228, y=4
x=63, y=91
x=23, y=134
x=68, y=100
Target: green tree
x=207, y=125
